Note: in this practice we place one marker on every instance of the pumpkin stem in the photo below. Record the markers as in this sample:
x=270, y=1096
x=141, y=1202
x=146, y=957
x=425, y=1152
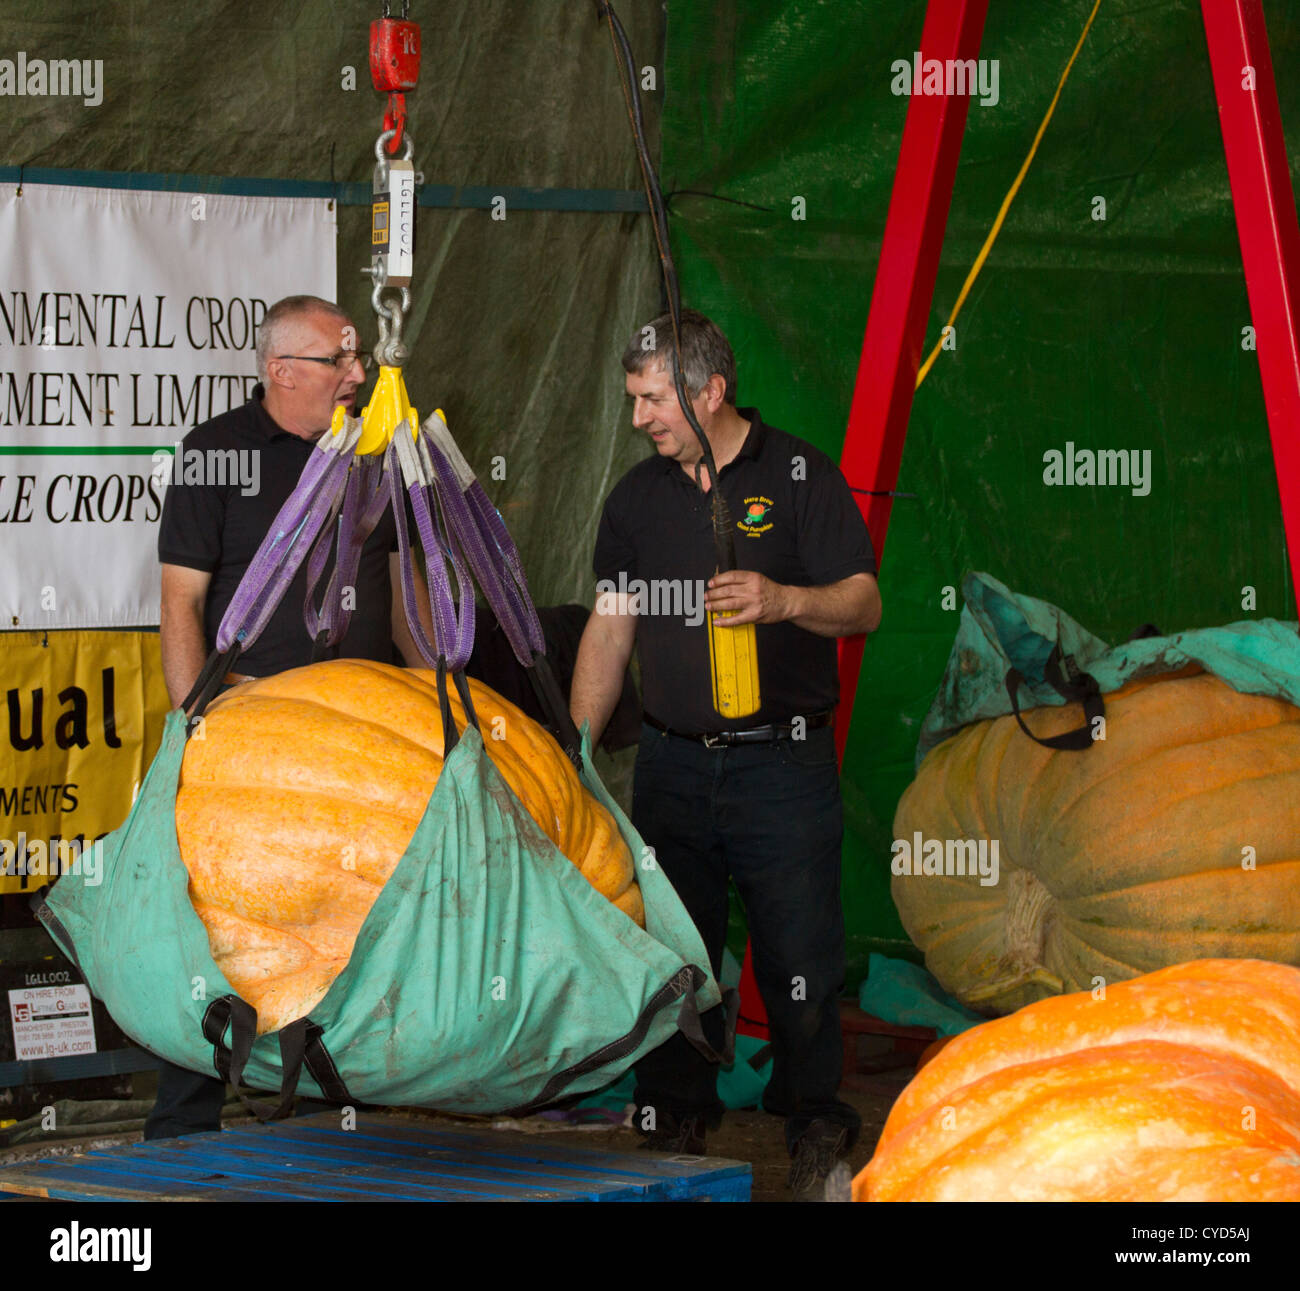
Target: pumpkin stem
x=1028, y=905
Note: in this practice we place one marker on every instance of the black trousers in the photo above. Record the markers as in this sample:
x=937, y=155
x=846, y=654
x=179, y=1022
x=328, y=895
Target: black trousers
x=769, y=816
x=187, y=1103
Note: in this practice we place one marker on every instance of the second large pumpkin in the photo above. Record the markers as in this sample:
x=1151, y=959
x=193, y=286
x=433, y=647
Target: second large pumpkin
x=1176, y=837
x=302, y=793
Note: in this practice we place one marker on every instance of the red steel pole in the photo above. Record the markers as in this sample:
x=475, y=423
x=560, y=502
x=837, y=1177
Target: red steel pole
x=1264, y=203
x=901, y=298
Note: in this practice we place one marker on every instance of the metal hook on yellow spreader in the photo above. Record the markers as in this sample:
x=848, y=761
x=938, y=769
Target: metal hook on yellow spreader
x=389, y=406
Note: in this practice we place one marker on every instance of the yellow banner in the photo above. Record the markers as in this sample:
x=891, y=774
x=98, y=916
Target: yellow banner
x=83, y=718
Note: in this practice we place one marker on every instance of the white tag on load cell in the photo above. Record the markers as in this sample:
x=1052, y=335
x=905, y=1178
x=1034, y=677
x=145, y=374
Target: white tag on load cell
x=392, y=225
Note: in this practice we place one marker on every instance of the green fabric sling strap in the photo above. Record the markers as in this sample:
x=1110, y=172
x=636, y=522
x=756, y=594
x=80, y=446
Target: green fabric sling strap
x=1008, y=643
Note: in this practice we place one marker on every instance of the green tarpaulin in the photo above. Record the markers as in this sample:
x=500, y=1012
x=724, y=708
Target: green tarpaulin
x=1001, y=631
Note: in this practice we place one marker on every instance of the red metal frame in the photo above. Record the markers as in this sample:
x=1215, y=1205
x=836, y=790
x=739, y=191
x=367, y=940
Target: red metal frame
x=1265, y=208
x=900, y=300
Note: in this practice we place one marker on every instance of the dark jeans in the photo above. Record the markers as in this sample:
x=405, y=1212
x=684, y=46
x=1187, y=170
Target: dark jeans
x=187, y=1103
x=769, y=816
x=190, y=1103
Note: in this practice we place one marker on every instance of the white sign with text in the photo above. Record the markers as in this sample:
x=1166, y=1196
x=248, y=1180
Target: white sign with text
x=126, y=319
x=51, y=1022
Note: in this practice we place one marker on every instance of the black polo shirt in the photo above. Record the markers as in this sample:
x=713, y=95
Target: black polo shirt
x=216, y=528
x=795, y=521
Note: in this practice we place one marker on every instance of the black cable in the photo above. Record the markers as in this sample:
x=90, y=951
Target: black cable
x=723, y=533
x=717, y=197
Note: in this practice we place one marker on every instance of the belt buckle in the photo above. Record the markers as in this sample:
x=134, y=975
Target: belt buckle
x=712, y=741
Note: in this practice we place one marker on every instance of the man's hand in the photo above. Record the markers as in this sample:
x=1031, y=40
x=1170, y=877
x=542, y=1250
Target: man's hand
x=840, y=609
x=754, y=598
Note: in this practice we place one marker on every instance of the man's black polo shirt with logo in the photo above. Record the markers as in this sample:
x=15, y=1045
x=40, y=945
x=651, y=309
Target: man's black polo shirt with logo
x=218, y=529
x=795, y=522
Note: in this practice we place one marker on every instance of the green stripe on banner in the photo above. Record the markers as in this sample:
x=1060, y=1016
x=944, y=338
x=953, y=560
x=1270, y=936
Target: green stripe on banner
x=469, y=197
x=90, y=450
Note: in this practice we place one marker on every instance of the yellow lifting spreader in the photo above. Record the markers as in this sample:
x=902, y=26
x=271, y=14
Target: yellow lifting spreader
x=388, y=408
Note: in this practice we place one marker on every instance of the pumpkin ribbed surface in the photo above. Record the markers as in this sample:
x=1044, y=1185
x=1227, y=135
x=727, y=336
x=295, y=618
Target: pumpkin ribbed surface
x=300, y=797
x=1183, y=1085
x=1177, y=837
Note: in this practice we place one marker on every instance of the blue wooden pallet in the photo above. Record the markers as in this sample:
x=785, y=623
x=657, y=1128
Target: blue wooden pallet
x=385, y=1159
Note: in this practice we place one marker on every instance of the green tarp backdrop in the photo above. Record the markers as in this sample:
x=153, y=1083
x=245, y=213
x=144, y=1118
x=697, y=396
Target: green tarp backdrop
x=1115, y=333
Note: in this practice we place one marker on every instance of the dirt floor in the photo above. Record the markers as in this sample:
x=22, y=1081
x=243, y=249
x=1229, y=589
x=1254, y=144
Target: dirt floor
x=751, y=1136
x=755, y=1137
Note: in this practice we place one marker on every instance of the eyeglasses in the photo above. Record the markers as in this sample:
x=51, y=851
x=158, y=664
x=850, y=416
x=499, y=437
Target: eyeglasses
x=340, y=362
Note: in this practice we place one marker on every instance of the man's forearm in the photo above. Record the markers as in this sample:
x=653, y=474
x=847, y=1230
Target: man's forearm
x=837, y=610
x=184, y=652
x=597, y=682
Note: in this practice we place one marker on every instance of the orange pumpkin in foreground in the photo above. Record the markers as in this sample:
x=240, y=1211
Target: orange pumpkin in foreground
x=299, y=799
x=1183, y=1085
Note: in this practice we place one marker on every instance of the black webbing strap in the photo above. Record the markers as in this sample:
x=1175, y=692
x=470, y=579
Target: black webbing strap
x=321, y=1066
x=230, y=1011
x=466, y=699
x=209, y=681
x=542, y=677
x=321, y=648
x=688, y=1022
x=1072, y=685
x=300, y=1042
x=450, y=735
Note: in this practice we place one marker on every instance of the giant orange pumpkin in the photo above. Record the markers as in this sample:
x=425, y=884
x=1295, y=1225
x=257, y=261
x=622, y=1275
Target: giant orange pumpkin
x=301, y=793
x=1183, y=1085
x=1176, y=837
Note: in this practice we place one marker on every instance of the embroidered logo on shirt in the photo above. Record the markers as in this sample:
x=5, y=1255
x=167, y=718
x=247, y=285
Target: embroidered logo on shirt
x=755, y=522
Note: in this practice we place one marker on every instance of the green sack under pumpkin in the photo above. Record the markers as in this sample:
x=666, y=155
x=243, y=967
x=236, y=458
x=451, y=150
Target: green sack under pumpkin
x=572, y=993
x=1002, y=630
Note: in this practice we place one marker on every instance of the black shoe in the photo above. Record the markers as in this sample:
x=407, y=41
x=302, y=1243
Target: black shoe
x=682, y=1136
x=818, y=1171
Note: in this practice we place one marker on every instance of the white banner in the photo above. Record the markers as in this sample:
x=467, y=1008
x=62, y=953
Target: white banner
x=126, y=318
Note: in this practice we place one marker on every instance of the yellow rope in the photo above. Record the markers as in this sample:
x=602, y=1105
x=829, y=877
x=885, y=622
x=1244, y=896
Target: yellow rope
x=1006, y=203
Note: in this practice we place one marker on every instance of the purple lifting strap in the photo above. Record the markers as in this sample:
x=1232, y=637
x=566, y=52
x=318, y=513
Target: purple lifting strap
x=456, y=525
x=453, y=635
x=364, y=502
x=517, y=599
x=480, y=547
x=310, y=507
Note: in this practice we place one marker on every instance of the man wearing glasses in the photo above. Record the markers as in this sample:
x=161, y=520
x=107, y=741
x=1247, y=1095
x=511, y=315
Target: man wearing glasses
x=308, y=364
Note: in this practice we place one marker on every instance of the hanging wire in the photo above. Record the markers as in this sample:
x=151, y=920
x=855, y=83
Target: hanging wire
x=1006, y=204
x=723, y=539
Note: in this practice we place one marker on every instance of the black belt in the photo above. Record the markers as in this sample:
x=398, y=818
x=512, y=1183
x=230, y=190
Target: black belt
x=754, y=735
